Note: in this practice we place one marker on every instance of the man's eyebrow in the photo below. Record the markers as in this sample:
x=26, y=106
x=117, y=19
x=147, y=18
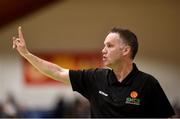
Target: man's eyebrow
x=107, y=42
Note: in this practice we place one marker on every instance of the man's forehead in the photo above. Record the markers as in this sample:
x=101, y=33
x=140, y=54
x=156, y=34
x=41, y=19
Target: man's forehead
x=111, y=37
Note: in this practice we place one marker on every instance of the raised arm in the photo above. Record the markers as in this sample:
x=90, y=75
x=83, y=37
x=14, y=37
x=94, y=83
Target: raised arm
x=49, y=69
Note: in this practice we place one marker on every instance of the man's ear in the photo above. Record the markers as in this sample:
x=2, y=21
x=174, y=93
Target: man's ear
x=126, y=50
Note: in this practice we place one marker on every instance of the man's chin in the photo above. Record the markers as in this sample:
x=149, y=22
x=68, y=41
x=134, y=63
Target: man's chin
x=106, y=64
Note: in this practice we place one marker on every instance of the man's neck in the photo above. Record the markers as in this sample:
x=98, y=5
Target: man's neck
x=122, y=70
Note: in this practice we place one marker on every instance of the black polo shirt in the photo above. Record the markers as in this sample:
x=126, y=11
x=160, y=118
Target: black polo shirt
x=138, y=95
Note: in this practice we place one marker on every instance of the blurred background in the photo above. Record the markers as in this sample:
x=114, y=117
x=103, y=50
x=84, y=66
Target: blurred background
x=55, y=27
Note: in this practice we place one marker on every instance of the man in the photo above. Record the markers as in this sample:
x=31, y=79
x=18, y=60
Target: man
x=120, y=90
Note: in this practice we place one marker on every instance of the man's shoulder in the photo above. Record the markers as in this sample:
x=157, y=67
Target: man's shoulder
x=148, y=77
x=98, y=70
x=95, y=72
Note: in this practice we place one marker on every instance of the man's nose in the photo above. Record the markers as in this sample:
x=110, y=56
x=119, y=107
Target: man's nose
x=104, y=50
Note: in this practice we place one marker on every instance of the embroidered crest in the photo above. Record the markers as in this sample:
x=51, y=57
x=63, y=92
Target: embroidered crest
x=133, y=94
x=133, y=98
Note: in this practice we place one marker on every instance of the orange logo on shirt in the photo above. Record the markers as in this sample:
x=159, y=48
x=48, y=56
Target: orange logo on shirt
x=133, y=94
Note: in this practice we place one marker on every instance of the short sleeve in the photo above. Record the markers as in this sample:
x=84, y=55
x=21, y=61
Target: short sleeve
x=82, y=81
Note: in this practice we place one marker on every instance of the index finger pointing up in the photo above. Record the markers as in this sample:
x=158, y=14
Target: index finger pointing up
x=20, y=34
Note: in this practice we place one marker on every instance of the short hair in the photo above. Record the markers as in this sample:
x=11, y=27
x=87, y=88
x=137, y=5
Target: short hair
x=128, y=37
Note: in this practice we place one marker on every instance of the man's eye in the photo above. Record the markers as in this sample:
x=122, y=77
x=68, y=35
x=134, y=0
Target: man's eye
x=109, y=45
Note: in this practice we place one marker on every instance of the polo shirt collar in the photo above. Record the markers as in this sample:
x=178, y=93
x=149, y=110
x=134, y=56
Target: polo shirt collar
x=127, y=81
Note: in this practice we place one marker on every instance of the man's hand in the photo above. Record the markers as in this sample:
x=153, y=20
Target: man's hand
x=47, y=68
x=19, y=43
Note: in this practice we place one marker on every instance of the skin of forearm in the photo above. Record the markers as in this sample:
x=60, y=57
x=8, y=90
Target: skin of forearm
x=47, y=68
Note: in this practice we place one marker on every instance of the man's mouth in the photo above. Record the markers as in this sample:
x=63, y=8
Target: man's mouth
x=104, y=58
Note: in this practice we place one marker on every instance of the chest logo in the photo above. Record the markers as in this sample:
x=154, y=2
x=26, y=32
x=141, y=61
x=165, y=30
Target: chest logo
x=133, y=94
x=133, y=98
x=103, y=93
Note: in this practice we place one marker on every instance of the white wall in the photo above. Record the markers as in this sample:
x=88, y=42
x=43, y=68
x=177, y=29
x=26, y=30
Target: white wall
x=83, y=25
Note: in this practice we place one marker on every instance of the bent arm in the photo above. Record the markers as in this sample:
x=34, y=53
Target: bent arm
x=47, y=68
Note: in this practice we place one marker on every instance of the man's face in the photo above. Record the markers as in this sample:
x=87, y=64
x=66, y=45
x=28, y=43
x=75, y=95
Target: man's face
x=113, y=49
